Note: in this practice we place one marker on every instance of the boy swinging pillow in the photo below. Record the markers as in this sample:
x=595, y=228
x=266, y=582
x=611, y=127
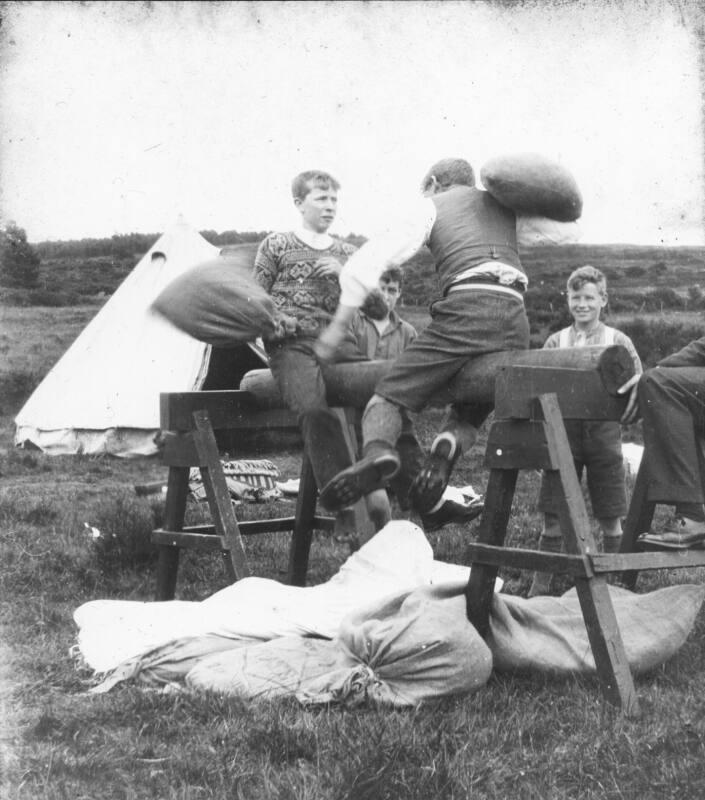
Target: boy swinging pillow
x=530, y=184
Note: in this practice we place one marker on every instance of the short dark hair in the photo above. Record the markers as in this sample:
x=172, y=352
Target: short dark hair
x=393, y=274
x=449, y=172
x=305, y=181
x=587, y=274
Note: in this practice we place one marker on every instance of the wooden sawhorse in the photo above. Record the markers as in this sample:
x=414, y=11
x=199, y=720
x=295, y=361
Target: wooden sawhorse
x=188, y=422
x=528, y=433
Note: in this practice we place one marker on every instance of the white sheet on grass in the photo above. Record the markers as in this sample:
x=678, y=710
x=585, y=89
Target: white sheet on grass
x=398, y=558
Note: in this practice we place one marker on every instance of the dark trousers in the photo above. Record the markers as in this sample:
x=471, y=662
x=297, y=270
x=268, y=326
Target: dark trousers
x=298, y=374
x=672, y=405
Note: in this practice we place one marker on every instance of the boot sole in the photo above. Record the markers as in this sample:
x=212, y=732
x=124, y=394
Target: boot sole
x=359, y=480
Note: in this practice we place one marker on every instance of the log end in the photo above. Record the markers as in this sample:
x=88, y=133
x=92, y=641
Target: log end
x=616, y=367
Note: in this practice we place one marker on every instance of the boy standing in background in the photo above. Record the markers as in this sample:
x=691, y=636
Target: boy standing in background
x=595, y=445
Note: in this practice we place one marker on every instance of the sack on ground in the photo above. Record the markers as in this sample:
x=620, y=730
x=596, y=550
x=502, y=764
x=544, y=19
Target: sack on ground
x=531, y=184
x=263, y=671
x=218, y=303
x=168, y=664
x=411, y=648
x=548, y=634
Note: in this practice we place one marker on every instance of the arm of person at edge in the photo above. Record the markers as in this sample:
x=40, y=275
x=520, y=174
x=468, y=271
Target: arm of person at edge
x=692, y=355
x=360, y=275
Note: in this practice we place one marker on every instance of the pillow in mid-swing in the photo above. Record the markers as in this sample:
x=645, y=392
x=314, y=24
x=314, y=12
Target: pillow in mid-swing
x=531, y=184
x=218, y=303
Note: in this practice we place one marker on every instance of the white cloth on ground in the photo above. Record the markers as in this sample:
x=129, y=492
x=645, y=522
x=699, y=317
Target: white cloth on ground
x=396, y=559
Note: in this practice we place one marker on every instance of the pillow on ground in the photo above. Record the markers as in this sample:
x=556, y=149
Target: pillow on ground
x=548, y=634
x=529, y=183
x=218, y=303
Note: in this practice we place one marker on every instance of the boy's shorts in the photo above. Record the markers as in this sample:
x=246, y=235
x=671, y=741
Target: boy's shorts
x=464, y=325
x=596, y=446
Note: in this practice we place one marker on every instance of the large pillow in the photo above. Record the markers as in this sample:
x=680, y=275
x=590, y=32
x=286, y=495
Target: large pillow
x=218, y=303
x=531, y=184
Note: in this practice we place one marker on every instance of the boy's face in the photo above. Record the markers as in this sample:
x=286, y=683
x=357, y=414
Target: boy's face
x=391, y=291
x=585, y=305
x=318, y=208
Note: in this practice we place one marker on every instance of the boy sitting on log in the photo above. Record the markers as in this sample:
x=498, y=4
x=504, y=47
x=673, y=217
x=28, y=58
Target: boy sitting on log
x=474, y=241
x=300, y=270
x=595, y=445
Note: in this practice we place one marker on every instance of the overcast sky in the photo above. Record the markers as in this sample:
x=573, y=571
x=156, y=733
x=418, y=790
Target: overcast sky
x=116, y=117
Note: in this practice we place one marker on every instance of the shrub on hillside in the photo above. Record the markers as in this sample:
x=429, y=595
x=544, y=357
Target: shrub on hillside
x=656, y=338
x=19, y=261
x=15, y=387
x=24, y=298
x=125, y=526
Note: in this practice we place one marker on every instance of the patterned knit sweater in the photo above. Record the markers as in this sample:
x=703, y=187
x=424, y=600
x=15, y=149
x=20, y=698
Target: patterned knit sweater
x=284, y=267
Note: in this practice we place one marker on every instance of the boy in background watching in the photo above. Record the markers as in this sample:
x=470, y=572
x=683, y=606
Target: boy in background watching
x=595, y=445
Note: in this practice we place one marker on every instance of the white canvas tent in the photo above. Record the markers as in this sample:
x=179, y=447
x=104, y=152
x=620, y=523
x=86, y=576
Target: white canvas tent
x=103, y=394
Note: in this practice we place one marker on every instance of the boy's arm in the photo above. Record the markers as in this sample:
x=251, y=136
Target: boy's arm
x=360, y=275
x=264, y=270
x=552, y=341
x=624, y=340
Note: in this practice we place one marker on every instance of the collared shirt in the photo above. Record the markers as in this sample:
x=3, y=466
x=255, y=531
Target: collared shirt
x=601, y=335
x=361, y=273
x=386, y=345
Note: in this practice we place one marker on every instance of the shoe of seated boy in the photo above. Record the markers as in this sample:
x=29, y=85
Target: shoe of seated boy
x=449, y=513
x=428, y=486
x=680, y=533
x=373, y=471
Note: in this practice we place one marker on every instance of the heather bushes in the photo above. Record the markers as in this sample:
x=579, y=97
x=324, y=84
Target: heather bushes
x=655, y=337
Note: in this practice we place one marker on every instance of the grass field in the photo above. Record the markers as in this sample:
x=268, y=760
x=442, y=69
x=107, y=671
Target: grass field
x=518, y=737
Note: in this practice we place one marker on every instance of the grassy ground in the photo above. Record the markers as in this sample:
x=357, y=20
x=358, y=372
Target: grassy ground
x=518, y=737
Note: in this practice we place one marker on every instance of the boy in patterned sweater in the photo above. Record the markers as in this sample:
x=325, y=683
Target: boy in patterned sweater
x=596, y=446
x=300, y=269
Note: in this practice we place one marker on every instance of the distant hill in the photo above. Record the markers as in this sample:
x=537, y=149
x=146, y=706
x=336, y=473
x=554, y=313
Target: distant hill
x=68, y=276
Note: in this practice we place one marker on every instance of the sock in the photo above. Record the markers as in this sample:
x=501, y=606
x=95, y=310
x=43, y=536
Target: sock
x=442, y=438
x=695, y=511
x=437, y=506
x=611, y=543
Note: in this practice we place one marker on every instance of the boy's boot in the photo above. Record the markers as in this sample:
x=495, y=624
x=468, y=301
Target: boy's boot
x=428, y=486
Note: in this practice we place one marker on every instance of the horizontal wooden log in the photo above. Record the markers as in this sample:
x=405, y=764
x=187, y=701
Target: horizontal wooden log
x=353, y=384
